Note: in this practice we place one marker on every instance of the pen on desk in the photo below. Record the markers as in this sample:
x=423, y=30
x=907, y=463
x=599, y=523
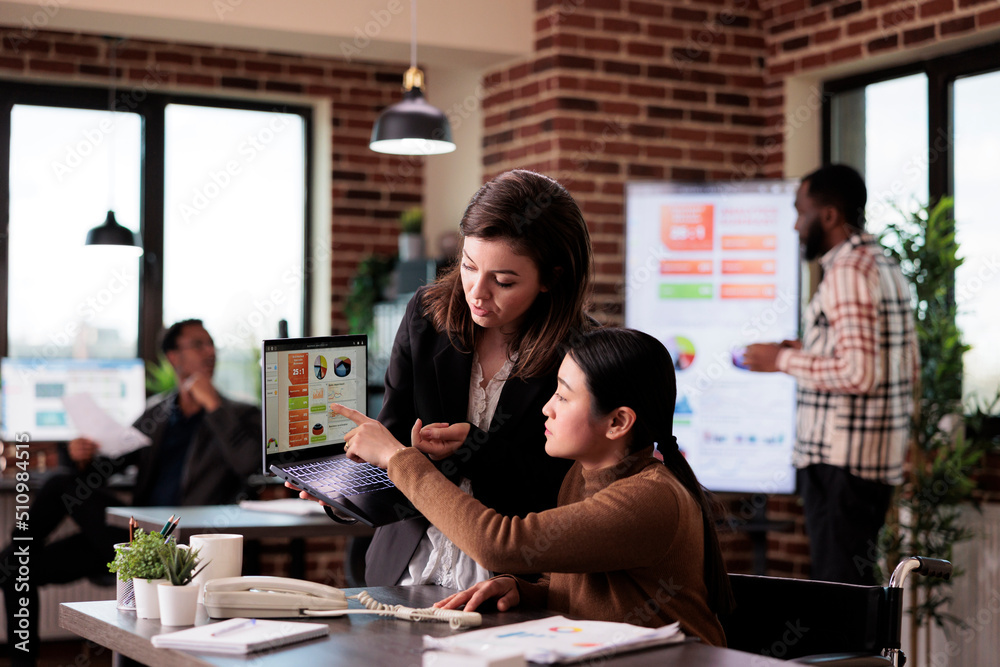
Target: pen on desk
x=233, y=628
x=163, y=531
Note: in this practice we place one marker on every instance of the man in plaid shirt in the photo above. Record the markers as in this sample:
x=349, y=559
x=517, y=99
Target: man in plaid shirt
x=856, y=368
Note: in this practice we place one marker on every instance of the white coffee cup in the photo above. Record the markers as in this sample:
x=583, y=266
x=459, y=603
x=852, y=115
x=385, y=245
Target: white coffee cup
x=222, y=554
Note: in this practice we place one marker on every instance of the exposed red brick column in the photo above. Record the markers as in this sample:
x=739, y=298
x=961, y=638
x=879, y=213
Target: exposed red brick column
x=620, y=90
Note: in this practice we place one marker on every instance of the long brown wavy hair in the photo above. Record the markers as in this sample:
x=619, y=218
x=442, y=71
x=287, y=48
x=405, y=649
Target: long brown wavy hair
x=539, y=219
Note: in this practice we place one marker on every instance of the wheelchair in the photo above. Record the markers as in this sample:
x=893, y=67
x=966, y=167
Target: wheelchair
x=820, y=622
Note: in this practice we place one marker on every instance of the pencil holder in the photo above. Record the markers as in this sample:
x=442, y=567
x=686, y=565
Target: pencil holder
x=126, y=593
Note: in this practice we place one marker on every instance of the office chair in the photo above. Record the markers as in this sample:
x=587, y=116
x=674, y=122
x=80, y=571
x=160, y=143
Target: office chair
x=820, y=622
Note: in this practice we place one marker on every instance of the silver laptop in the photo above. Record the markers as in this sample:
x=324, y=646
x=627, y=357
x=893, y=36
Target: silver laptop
x=304, y=440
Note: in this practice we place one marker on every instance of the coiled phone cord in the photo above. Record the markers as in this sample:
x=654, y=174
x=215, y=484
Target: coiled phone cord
x=453, y=617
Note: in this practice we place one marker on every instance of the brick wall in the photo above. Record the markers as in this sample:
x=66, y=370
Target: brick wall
x=808, y=35
x=686, y=90
x=368, y=190
x=620, y=90
x=616, y=90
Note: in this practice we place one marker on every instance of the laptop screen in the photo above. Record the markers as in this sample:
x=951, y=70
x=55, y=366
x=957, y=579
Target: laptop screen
x=301, y=378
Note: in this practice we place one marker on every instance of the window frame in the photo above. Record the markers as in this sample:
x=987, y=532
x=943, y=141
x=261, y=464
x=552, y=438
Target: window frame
x=152, y=112
x=941, y=72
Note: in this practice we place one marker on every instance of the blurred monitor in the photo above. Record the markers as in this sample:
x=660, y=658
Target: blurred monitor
x=31, y=393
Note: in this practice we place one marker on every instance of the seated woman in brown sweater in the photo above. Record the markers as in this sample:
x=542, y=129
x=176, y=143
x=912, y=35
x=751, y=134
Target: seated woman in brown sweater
x=632, y=539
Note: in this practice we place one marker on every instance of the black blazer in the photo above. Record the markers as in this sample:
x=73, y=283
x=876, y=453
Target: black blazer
x=224, y=452
x=428, y=377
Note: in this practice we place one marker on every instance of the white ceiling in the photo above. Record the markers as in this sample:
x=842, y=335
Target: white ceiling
x=466, y=34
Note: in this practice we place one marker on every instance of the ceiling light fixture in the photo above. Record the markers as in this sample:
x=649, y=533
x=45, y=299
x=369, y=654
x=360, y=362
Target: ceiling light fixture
x=110, y=233
x=412, y=126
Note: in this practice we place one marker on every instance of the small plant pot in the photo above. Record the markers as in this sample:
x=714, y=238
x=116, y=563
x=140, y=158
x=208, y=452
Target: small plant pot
x=147, y=601
x=411, y=247
x=178, y=604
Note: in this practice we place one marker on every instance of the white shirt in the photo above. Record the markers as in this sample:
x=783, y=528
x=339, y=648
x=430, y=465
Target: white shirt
x=437, y=560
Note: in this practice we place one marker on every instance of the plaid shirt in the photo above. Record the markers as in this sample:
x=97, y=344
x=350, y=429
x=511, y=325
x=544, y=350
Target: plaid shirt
x=857, y=366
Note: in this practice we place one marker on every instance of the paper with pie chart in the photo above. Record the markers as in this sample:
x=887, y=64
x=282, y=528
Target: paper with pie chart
x=555, y=639
x=709, y=269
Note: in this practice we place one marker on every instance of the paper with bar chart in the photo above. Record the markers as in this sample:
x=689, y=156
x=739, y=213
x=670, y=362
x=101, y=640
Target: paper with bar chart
x=709, y=269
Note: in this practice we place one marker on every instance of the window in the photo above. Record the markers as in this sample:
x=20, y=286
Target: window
x=233, y=217
x=920, y=132
x=219, y=192
x=977, y=282
x=66, y=300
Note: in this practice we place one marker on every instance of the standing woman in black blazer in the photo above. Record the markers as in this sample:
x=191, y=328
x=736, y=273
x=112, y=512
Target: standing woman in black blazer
x=475, y=358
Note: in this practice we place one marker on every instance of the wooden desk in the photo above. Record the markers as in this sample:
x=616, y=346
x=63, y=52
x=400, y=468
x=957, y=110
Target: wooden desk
x=353, y=640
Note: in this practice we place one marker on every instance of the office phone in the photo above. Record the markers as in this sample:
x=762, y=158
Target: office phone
x=278, y=597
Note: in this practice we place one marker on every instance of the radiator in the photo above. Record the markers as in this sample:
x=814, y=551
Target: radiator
x=976, y=601
x=50, y=596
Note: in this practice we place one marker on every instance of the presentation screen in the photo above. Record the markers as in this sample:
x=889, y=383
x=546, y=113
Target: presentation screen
x=33, y=389
x=709, y=269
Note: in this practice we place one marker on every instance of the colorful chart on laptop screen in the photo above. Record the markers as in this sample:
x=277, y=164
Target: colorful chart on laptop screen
x=319, y=367
x=342, y=367
x=299, y=390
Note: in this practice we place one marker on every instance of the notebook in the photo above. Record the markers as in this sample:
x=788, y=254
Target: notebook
x=304, y=440
x=238, y=636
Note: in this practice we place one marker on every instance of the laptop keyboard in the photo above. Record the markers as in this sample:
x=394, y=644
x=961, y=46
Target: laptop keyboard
x=342, y=476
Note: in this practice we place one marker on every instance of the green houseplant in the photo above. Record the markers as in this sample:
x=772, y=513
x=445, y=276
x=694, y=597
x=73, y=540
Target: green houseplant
x=369, y=282
x=160, y=376
x=943, y=459
x=180, y=563
x=140, y=558
x=140, y=561
x=411, y=240
x=178, y=597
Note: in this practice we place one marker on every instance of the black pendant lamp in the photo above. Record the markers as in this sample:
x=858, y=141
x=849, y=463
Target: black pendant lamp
x=412, y=126
x=111, y=234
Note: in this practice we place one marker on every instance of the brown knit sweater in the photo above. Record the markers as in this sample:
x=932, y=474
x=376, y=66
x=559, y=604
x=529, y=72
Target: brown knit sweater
x=625, y=543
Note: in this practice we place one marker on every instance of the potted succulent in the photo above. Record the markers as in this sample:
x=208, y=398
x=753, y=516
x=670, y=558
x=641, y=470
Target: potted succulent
x=178, y=598
x=140, y=562
x=411, y=240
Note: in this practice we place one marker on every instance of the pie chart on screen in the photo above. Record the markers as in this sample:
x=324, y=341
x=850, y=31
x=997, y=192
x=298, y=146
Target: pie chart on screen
x=681, y=351
x=319, y=367
x=342, y=367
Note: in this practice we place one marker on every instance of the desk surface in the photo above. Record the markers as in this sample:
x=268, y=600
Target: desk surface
x=353, y=640
x=197, y=519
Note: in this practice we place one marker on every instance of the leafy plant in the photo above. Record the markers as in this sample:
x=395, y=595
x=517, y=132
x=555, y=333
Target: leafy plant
x=180, y=563
x=943, y=458
x=140, y=559
x=411, y=221
x=366, y=290
x=160, y=376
